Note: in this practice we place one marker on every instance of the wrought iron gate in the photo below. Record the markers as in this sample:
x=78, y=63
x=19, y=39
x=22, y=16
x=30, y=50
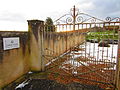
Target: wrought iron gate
x=94, y=61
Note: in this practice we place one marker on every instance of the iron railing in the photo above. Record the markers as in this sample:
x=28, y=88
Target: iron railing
x=93, y=61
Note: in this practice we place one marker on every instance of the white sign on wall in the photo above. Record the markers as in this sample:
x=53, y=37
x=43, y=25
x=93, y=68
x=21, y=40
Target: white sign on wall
x=11, y=43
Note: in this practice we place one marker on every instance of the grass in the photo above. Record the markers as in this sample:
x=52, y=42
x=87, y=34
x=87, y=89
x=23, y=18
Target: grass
x=102, y=35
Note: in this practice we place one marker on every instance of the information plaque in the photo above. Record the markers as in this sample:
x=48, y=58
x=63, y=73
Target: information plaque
x=11, y=43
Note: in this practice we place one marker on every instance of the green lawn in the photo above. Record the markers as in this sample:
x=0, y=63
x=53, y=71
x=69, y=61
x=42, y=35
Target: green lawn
x=102, y=35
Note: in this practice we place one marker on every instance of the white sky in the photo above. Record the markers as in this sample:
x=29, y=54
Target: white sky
x=15, y=13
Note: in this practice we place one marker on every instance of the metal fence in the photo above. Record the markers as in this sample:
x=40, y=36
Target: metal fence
x=94, y=61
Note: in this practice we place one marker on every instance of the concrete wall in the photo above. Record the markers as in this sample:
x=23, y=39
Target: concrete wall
x=14, y=62
x=58, y=43
x=35, y=28
x=49, y=44
x=34, y=46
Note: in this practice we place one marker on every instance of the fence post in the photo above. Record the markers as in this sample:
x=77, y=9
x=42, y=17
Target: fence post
x=36, y=28
x=117, y=76
x=41, y=28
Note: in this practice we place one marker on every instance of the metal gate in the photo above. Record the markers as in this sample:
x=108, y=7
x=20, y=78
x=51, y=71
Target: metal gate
x=92, y=62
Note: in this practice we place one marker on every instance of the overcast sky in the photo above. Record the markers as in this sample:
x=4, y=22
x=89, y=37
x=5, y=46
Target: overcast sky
x=15, y=13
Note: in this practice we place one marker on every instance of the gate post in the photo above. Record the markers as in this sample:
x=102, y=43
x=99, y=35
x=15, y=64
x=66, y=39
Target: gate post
x=117, y=76
x=35, y=29
x=74, y=18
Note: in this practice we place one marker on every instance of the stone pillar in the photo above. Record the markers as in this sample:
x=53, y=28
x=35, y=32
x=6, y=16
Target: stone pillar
x=36, y=28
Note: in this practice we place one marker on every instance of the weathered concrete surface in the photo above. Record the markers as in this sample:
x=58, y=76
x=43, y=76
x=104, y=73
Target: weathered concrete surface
x=35, y=28
x=35, y=45
x=57, y=43
x=45, y=46
x=14, y=62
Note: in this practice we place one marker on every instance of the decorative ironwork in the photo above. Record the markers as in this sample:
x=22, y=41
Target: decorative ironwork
x=95, y=60
x=69, y=20
x=116, y=19
x=79, y=19
x=108, y=19
x=75, y=17
x=93, y=20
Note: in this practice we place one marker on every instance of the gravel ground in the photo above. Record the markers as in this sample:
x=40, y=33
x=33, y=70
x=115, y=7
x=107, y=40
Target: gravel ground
x=44, y=84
